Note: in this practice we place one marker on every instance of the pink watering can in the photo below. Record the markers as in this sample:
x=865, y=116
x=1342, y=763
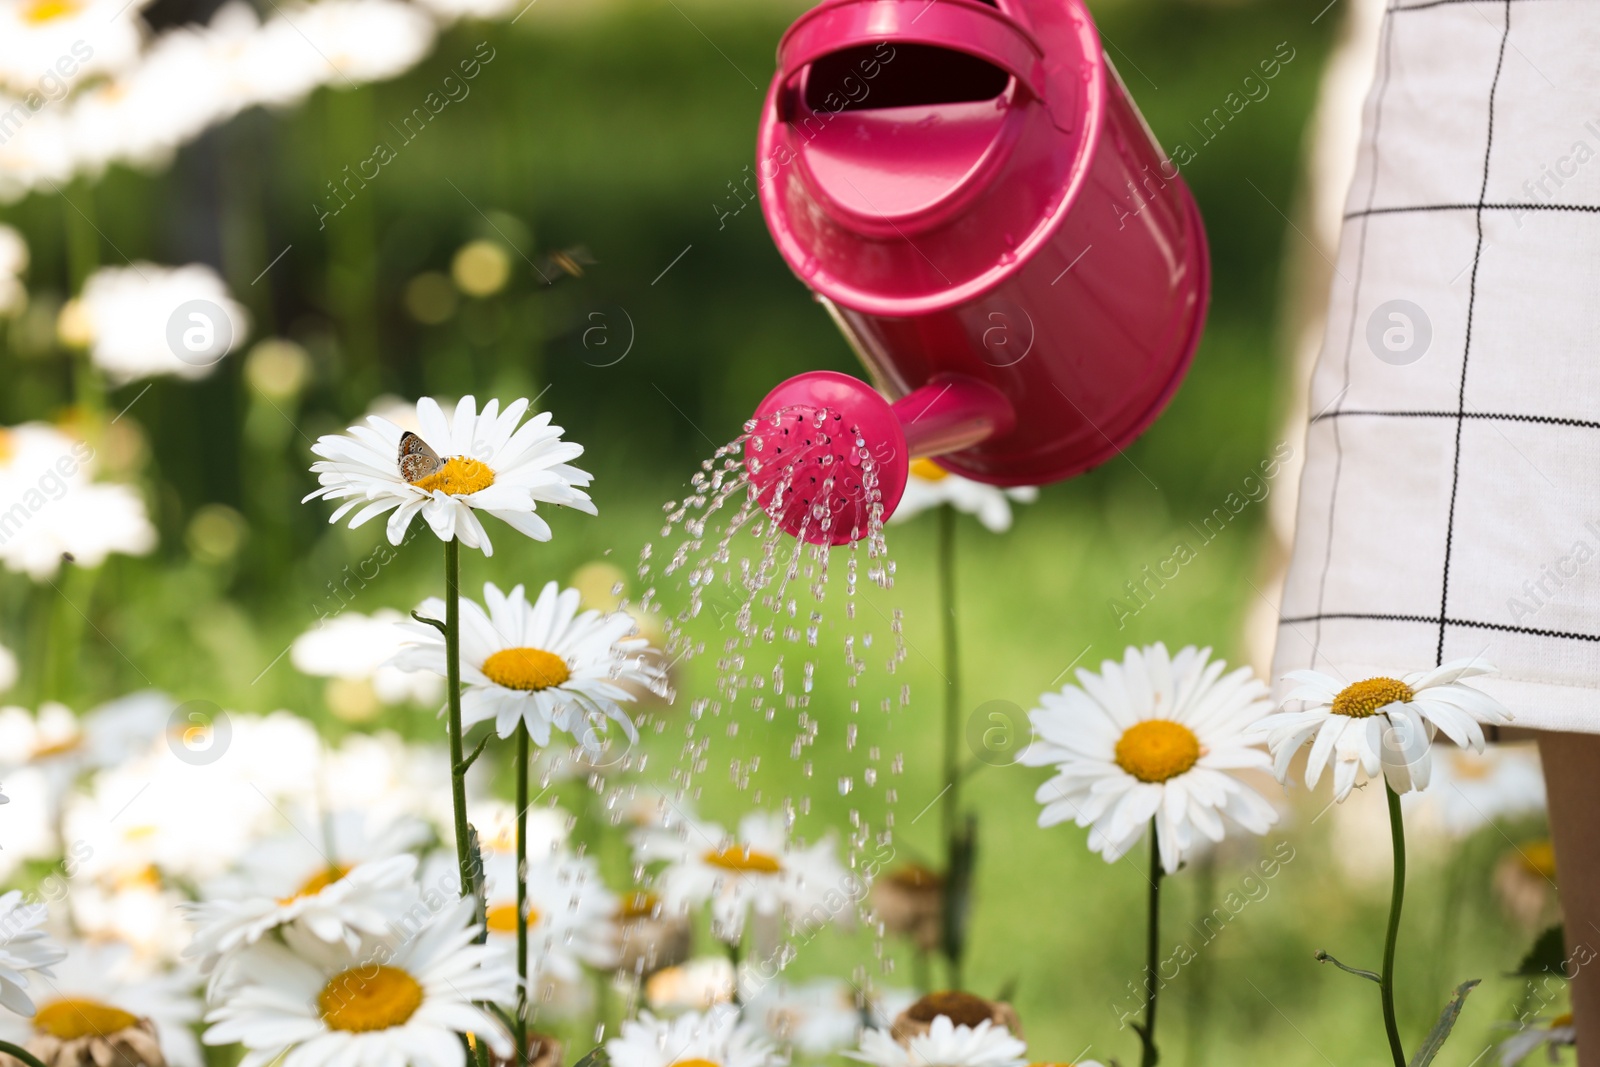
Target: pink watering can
x=972, y=195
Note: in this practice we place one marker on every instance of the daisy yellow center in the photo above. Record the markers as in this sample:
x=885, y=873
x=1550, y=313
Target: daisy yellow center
x=1361, y=700
x=41, y=11
x=70, y=1018
x=1539, y=858
x=526, y=668
x=502, y=918
x=460, y=476
x=743, y=860
x=638, y=906
x=1564, y=1019
x=696, y=1062
x=928, y=470
x=8, y=446
x=316, y=883
x=1157, y=749
x=59, y=747
x=369, y=998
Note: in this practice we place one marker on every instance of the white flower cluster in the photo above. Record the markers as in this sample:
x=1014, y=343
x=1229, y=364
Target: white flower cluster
x=84, y=84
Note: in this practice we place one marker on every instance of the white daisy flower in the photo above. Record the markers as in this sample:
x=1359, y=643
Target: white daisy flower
x=137, y=911
x=327, y=1005
x=715, y=1038
x=130, y=315
x=694, y=985
x=338, y=904
x=1380, y=724
x=1155, y=737
x=496, y=823
x=944, y=1045
x=1555, y=1034
x=13, y=261
x=24, y=947
x=462, y=464
x=816, y=1018
x=361, y=41
x=356, y=648
x=1470, y=790
x=930, y=485
x=448, y=11
x=101, y=997
x=571, y=915
x=545, y=664
x=50, y=506
x=757, y=870
x=83, y=36
x=63, y=747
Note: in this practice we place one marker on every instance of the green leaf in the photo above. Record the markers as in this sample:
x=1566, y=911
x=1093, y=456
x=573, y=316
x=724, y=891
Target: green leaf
x=596, y=1057
x=1441, y=1029
x=1547, y=956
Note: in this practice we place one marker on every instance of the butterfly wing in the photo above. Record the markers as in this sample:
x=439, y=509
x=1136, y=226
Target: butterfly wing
x=417, y=460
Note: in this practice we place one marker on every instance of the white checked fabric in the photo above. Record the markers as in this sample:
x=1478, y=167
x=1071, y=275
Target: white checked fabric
x=1450, y=505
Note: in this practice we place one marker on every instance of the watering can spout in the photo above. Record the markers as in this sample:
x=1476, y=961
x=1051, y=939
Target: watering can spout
x=828, y=456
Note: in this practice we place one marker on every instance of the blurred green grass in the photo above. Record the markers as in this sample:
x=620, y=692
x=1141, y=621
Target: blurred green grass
x=619, y=130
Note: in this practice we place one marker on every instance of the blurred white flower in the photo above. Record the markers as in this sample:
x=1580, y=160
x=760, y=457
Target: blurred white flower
x=138, y=911
x=571, y=915
x=357, y=648
x=24, y=948
x=715, y=1037
x=38, y=152
x=86, y=524
x=695, y=985
x=50, y=506
x=191, y=807
x=1553, y=1034
x=387, y=778
x=362, y=41
x=815, y=1018
x=757, y=870
x=61, y=746
x=1380, y=724
x=143, y=320
x=8, y=669
x=1470, y=790
x=496, y=823
x=338, y=1005
x=13, y=261
x=930, y=485
x=544, y=664
x=102, y=996
x=448, y=11
x=1155, y=737
x=46, y=46
x=945, y=1044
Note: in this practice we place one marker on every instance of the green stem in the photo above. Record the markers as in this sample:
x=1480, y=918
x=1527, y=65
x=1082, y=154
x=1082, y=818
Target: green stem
x=951, y=812
x=1147, y=1034
x=522, y=893
x=1397, y=898
x=20, y=1053
x=452, y=656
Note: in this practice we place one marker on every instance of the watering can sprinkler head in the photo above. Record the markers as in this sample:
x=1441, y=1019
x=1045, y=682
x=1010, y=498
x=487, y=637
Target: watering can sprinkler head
x=824, y=449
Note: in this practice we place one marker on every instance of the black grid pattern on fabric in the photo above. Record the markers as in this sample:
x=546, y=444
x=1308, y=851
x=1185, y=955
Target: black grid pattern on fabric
x=1490, y=416
x=1466, y=353
x=1530, y=205
x=1387, y=46
x=1435, y=620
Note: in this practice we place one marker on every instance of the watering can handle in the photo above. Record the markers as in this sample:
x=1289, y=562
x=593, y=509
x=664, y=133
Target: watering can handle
x=960, y=25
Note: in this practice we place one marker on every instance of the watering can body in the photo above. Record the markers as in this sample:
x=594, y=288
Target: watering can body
x=992, y=210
